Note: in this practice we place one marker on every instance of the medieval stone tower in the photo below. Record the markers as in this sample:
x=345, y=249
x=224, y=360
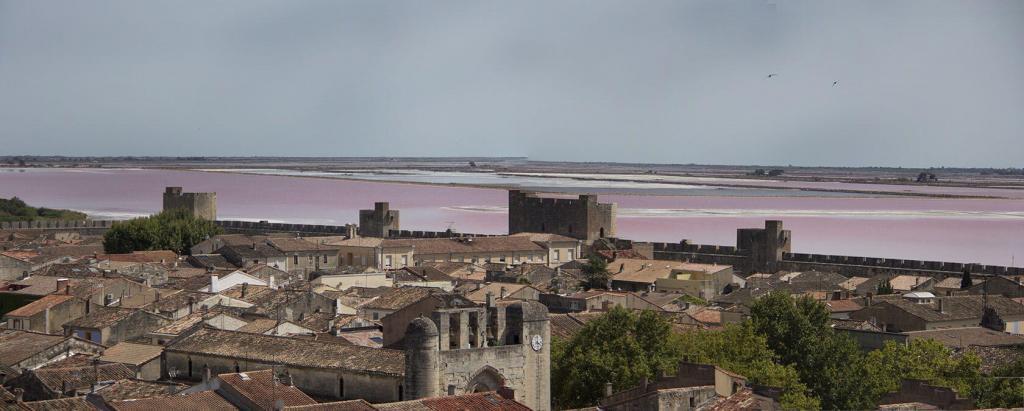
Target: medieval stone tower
x=505, y=345
x=379, y=221
x=583, y=218
x=201, y=205
x=766, y=245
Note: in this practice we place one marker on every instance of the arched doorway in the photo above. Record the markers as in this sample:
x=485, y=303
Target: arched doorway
x=486, y=379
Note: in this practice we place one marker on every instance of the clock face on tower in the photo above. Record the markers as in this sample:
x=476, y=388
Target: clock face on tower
x=536, y=342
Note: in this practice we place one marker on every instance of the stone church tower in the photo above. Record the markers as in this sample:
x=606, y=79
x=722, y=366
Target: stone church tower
x=506, y=345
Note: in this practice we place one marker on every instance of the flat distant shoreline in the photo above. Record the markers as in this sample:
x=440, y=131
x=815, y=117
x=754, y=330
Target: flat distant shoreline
x=887, y=181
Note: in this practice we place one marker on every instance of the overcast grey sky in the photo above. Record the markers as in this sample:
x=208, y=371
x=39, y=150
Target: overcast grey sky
x=921, y=83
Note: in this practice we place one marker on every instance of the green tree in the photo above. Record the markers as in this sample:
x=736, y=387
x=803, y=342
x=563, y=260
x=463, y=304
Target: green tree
x=926, y=360
x=884, y=287
x=619, y=347
x=1004, y=388
x=175, y=230
x=965, y=280
x=738, y=348
x=830, y=364
x=595, y=273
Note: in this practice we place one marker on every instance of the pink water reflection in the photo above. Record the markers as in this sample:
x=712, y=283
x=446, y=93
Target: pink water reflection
x=984, y=231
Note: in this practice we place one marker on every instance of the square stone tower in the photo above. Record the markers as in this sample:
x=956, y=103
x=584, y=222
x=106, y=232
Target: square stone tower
x=201, y=205
x=583, y=218
x=379, y=221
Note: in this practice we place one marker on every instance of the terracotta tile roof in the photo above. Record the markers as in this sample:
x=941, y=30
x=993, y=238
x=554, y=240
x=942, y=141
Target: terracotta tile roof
x=359, y=242
x=545, y=237
x=252, y=292
x=81, y=377
x=484, y=401
x=17, y=346
x=128, y=389
x=211, y=260
x=155, y=256
x=61, y=404
x=422, y=273
x=852, y=283
x=131, y=353
x=397, y=298
x=291, y=351
x=480, y=295
x=258, y=326
x=261, y=387
x=648, y=271
x=351, y=405
x=563, y=326
x=289, y=245
x=200, y=401
x=427, y=246
x=101, y=317
x=961, y=307
x=907, y=282
x=966, y=336
x=40, y=305
x=843, y=306
x=707, y=316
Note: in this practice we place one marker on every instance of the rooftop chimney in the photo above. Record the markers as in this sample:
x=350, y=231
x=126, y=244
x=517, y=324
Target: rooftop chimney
x=503, y=293
x=941, y=308
x=609, y=389
x=62, y=286
x=489, y=299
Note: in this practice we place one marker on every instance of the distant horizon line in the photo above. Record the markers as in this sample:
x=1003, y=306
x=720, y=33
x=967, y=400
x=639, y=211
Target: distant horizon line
x=8, y=158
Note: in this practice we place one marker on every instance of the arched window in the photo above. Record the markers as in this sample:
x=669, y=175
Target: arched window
x=341, y=387
x=401, y=392
x=190, y=367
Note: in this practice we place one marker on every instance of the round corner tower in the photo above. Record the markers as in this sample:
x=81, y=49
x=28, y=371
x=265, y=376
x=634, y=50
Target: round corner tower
x=421, y=359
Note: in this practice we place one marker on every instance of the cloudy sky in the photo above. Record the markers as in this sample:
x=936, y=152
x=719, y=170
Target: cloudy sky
x=921, y=83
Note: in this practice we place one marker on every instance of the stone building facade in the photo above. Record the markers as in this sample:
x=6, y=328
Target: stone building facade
x=379, y=221
x=475, y=349
x=583, y=218
x=201, y=205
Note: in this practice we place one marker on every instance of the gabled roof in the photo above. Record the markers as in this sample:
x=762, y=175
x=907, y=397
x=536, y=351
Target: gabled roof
x=649, y=271
x=204, y=400
x=260, y=387
x=128, y=389
x=101, y=317
x=464, y=245
x=397, y=298
x=155, y=256
x=131, y=353
x=80, y=377
x=350, y=405
x=269, y=349
x=421, y=273
x=60, y=404
x=480, y=295
x=961, y=307
x=17, y=346
x=40, y=305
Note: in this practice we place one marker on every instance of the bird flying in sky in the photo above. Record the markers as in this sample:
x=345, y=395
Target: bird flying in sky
x=835, y=83
x=772, y=75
